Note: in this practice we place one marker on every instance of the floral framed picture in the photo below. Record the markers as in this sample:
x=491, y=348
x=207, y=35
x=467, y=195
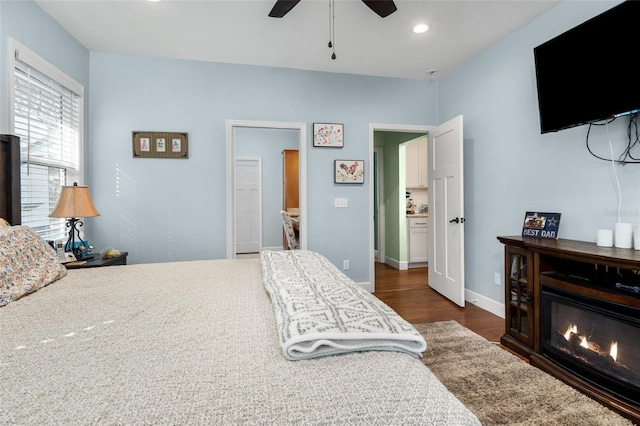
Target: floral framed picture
x=349, y=171
x=328, y=135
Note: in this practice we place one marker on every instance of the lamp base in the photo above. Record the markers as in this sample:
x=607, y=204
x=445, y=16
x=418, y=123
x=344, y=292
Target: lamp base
x=71, y=247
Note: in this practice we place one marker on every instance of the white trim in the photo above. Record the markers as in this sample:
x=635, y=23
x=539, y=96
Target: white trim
x=379, y=254
x=302, y=156
x=485, y=303
x=366, y=286
x=396, y=264
x=374, y=127
x=18, y=51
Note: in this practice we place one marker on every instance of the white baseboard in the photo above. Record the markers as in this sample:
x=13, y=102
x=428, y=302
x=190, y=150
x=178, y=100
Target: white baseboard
x=484, y=302
x=366, y=286
x=397, y=264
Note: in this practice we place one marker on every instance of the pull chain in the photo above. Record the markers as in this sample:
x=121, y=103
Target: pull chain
x=332, y=30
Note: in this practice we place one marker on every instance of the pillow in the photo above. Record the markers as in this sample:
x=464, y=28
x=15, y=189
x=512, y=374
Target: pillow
x=27, y=263
x=3, y=222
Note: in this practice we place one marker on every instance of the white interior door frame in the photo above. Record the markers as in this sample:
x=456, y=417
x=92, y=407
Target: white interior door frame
x=379, y=127
x=231, y=125
x=380, y=186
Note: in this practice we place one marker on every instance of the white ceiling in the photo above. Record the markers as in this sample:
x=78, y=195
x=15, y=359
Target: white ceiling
x=240, y=32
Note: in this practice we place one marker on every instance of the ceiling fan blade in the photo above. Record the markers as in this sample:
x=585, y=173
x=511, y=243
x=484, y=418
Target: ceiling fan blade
x=383, y=8
x=282, y=7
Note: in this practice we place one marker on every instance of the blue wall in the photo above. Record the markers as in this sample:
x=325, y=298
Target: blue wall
x=164, y=210
x=510, y=168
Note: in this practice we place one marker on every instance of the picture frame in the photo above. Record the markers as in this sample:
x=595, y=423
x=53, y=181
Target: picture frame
x=348, y=171
x=328, y=135
x=144, y=144
x=541, y=225
x=176, y=145
x=160, y=144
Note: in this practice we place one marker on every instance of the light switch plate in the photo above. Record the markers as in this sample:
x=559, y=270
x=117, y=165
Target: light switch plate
x=341, y=202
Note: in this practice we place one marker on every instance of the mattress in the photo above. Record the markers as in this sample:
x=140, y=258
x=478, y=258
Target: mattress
x=191, y=343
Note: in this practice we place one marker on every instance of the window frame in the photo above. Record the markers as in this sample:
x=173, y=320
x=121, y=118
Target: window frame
x=20, y=52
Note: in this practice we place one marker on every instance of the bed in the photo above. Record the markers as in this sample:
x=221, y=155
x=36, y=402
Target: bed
x=206, y=342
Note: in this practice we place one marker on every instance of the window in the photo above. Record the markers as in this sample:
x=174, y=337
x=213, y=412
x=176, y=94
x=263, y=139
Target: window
x=47, y=116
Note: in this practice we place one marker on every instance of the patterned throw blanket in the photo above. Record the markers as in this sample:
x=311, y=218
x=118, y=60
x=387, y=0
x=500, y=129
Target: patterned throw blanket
x=320, y=311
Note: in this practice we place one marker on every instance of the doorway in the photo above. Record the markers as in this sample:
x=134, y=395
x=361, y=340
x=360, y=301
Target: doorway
x=233, y=127
x=446, y=218
x=387, y=209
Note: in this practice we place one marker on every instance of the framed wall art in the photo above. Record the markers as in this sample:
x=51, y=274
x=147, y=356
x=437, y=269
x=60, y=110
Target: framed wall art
x=160, y=145
x=328, y=135
x=349, y=171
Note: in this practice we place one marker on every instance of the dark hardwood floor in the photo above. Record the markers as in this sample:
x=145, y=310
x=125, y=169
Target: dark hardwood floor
x=409, y=294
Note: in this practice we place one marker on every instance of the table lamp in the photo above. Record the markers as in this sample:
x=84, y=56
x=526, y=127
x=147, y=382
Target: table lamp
x=74, y=202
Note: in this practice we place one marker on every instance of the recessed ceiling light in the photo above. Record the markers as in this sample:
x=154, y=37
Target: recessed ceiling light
x=420, y=28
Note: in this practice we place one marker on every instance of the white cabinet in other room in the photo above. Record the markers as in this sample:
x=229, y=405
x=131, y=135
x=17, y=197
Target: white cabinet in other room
x=416, y=164
x=418, y=240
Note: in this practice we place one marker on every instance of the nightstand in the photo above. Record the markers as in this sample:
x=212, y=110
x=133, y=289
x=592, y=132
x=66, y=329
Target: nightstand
x=97, y=261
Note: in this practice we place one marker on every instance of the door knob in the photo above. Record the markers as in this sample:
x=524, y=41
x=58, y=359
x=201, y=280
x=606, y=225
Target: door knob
x=457, y=220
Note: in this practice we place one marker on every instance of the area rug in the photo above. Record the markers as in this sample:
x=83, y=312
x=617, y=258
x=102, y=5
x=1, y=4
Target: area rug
x=500, y=388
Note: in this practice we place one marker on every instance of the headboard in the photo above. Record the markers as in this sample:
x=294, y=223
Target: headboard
x=10, y=179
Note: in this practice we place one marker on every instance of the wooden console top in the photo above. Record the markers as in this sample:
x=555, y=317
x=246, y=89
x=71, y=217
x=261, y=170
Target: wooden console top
x=578, y=250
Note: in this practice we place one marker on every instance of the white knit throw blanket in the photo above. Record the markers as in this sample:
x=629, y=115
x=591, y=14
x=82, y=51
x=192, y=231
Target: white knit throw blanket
x=320, y=311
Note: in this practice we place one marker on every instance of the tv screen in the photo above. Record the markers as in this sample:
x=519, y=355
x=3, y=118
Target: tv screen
x=588, y=73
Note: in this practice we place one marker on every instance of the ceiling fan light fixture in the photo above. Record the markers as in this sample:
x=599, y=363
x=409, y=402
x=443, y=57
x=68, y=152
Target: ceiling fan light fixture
x=420, y=28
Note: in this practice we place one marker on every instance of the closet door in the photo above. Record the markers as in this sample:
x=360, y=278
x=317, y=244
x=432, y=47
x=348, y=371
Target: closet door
x=248, y=206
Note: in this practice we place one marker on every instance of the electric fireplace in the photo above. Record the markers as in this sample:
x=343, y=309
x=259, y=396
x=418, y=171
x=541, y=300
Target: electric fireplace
x=575, y=314
x=593, y=339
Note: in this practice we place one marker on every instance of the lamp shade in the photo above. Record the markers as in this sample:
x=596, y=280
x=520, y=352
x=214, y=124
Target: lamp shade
x=74, y=201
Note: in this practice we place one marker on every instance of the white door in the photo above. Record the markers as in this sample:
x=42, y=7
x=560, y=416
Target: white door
x=446, y=211
x=248, y=210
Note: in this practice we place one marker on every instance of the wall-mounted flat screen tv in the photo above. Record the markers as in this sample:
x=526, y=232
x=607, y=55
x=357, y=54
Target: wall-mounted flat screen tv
x=588, y=73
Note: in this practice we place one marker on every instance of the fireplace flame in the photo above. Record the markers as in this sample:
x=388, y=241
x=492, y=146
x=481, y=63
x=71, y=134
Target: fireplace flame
x=613, y=352
x=584, y=342
x=572, y=329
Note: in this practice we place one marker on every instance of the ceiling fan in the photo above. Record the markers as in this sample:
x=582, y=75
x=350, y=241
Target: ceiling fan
x=383, y=8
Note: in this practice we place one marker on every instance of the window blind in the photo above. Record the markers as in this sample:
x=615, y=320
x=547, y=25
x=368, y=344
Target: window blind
x=47, y=118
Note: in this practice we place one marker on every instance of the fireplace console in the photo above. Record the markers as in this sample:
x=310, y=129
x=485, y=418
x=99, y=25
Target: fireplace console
x=573, y=310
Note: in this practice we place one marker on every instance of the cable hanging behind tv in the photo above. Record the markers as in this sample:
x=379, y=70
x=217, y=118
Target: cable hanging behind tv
x=587, y=74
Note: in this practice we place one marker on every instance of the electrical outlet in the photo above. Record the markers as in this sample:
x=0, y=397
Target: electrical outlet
x=496, y=279
x=345, y=265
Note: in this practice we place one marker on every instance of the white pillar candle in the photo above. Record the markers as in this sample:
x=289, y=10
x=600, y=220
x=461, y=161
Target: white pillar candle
x=623, y=234
x=605, y=238
x=636, y=237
